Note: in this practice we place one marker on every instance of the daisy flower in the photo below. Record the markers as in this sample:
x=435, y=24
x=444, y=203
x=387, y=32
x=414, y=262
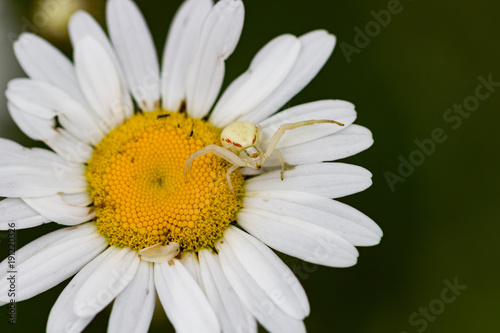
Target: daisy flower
x=121, y=128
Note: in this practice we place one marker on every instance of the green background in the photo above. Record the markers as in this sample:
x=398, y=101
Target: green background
x=440, y=224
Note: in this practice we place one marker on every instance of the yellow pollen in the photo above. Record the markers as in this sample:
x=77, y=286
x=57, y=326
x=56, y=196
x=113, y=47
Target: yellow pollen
x=137, y=183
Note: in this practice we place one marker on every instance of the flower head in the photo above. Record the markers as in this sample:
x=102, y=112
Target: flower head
x=122, y=132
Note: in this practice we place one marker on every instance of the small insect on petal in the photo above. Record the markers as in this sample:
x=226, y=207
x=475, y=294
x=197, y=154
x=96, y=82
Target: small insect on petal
x=160, y=253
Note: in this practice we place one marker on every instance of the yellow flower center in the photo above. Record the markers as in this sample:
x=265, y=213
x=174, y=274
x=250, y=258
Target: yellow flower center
x=141, y=195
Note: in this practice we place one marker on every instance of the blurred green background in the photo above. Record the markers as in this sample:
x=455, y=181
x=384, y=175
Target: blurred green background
x=440, y=224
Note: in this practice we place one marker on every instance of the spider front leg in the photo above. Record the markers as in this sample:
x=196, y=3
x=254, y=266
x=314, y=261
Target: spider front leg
x=221, y=152
x=282, y=163
x=273, y=142
x=228, y=176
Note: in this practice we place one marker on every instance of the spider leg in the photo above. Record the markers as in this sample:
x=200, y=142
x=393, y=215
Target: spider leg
x=282, y=163
x=228, y=177
x=273, y=142
x=217, y=151
x=195, y=155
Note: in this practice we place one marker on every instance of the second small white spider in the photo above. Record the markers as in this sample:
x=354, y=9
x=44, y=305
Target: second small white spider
x=242, y=146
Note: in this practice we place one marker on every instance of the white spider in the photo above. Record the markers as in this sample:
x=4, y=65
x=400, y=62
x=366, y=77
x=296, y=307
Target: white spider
x=242, y=146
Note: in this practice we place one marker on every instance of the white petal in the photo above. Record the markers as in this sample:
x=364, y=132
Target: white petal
x=56, y=209
x=255, y=299
x=43, y=62
x=69, y=147
x=78, y=199
x=191, y=263
x=317, y=46
x=182, y=43
x=37, y=172
x=106, y=282
x=298, y=238
x=267, y=71
x=14, y=154
x=340, y=111
x=348, y=142
x=45, y=101
x=133, y=308
x=335, y=216
x=26, y=181
x=51, y=259
x=82, y=25
x=36, y=128
x=181, y=297
x=269, y=272
x=20, y=93
x=136, y=51
x=62, y=318
x=16, y=212
x=333, y=180
x=233, y=315
x=63, y=143
x=219, y=35
x=100, y=82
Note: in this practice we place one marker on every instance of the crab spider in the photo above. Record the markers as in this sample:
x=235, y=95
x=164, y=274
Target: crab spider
x=242, y=146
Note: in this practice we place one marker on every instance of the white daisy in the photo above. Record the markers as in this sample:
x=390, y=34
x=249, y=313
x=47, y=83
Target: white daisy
x=116, y=175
